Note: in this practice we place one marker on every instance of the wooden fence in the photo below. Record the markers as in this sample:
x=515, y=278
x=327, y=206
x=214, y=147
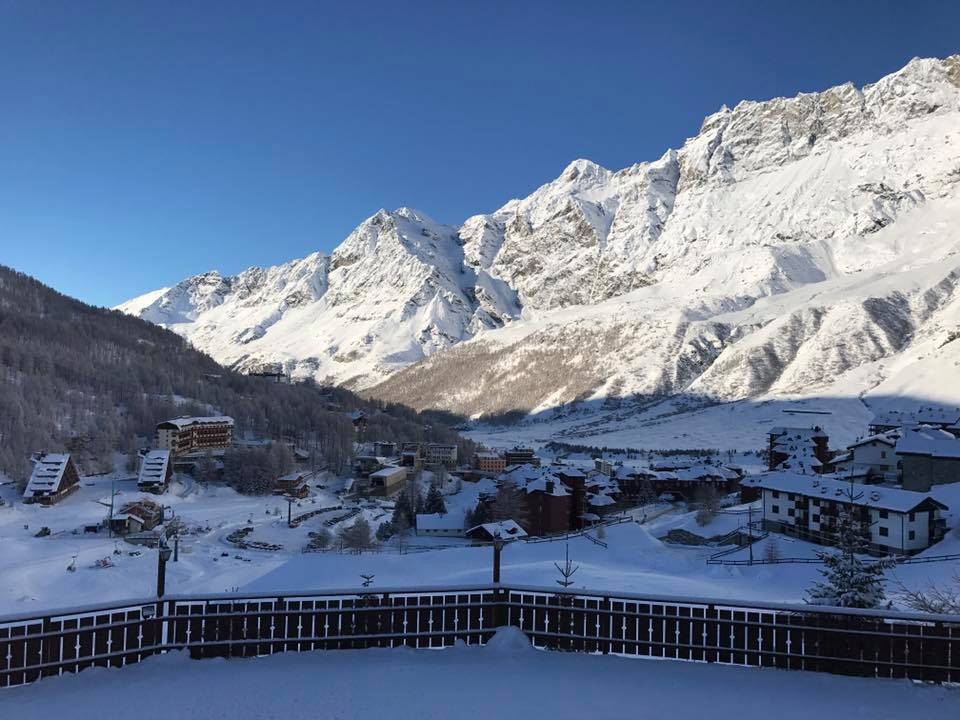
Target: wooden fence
x=866, y=642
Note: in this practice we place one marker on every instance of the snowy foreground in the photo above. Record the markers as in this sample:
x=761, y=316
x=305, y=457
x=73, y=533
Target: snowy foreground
x=507, y=678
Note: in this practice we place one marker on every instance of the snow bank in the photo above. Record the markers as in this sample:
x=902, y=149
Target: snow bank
x=506, y=679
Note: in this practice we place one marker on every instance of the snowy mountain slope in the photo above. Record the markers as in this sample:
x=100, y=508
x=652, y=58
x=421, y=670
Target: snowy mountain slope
x=789, y=243
x=645, y=346
x=394, y=291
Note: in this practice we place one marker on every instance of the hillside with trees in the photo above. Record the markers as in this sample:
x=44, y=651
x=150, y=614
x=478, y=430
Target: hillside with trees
x=94, y=382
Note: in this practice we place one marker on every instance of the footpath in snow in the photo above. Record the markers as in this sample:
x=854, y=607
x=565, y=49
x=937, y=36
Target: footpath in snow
x=507, y=678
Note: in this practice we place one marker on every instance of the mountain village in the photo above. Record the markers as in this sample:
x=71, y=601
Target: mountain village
x=900, y=483
x=701, y=411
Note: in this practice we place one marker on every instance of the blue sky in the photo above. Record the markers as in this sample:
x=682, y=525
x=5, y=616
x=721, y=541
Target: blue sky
x=142, y=142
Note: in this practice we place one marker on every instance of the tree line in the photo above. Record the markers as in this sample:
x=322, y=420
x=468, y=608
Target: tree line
x=94, y=381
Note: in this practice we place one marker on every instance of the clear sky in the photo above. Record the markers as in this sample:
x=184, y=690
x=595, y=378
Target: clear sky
x=142, y=142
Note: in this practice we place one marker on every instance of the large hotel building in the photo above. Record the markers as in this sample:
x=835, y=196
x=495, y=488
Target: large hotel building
x=186, y=436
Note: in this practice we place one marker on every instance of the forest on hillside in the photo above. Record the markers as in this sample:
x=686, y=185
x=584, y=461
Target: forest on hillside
x=94, y=381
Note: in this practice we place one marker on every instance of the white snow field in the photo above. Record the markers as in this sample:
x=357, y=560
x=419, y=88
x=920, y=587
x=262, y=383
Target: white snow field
x=506, y=678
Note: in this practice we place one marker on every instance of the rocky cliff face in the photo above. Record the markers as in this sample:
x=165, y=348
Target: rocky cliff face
x=790, y=243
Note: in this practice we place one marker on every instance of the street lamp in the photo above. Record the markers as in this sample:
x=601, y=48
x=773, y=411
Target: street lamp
x=162, y=556
x=498, y=544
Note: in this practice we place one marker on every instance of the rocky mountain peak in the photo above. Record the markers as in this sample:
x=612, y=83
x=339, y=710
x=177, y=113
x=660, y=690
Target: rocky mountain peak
x=768, y=199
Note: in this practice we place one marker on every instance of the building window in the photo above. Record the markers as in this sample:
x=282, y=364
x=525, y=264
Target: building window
x=815, y=518
x=913, y=516
x=913, y=535
x=884, y=531
x=884, y=514
x=883, y=453
x=789, y=496
x=816, y=502
x=790, y=512
x=775, y=509
x=776, y=494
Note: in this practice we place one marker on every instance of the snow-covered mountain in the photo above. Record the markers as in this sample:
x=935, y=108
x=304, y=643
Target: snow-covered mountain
x=794, y=246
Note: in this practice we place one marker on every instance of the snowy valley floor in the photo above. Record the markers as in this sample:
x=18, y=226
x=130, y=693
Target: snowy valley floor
x=507, y=678
x=33, y=576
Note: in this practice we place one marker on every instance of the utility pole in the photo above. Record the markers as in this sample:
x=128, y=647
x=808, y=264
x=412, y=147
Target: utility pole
x=112, y=493
x=750, y=530
x=289, y=511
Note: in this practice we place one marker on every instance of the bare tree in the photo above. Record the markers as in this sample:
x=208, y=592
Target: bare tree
x=708, y=501
x=510, y=503
x=933, y=599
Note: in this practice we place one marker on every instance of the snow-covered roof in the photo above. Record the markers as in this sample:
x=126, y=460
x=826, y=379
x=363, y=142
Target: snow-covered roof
x=503, y=529
x=182, y=422
x=838, y=490
x=48, y=470
x=490, y=456
x=292, y=477
x=439, y=521
x=928, y=416
x=699, y=472
x=929, y=441
x=153, y=467
x=388, y=472
x=886, y=438
x=797, y=432
x=600, y=500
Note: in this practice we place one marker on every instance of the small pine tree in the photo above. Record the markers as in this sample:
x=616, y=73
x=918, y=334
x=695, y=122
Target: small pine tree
x=434, y=502
x=848, y=580
x=385, y=531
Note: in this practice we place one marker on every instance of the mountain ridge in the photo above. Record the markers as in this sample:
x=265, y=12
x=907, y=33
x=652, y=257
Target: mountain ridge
x=769, y=198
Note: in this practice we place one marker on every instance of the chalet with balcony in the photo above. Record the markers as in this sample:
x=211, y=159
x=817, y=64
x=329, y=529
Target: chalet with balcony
x=503, y=530
x=803, y=450
x=54, y=477
x=292, y=484
x=891, y=520
x=872, y=459
x=155, y=471
x=136, y=517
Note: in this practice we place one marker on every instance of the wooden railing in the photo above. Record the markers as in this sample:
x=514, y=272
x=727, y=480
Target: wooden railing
x=795, y=637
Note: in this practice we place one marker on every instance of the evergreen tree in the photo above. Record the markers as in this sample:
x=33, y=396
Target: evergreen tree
x=848, y=580
x=434, y=502
x=385, y=531
x=357, y=537
x=481, y=514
